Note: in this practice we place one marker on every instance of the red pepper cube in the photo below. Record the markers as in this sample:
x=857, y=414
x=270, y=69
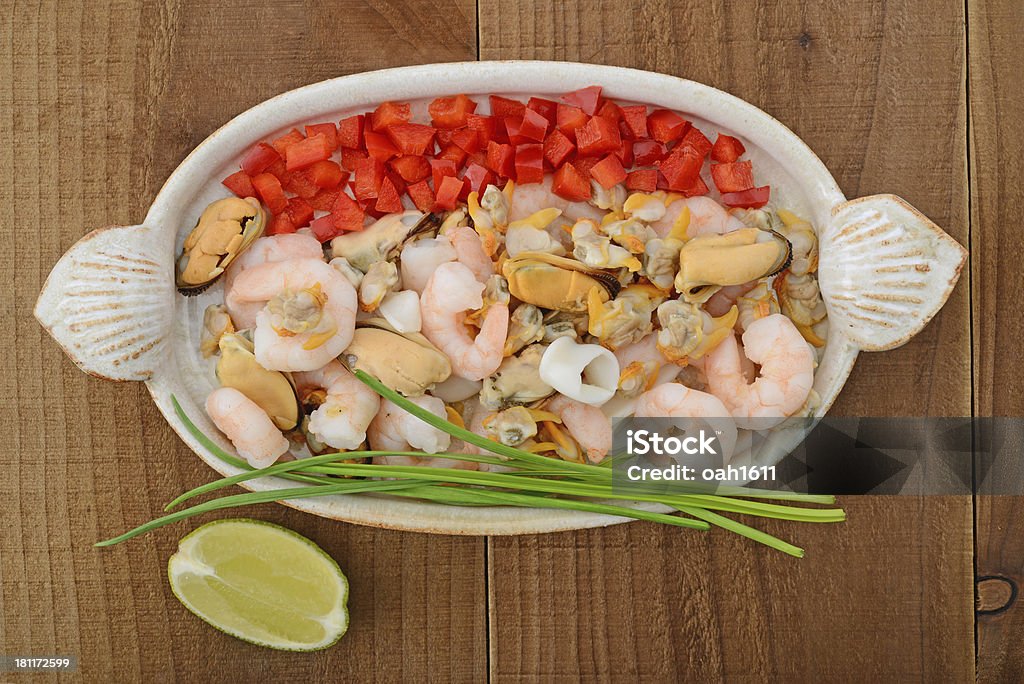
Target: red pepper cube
x=411, y=168
x=280, y=224
x=259, y=158
x=396, y=180
x=451, y=112
x=379, y=146
x=529, y=163
x=412, y=138
x=300, y=211
x=278, y=170
x=326, y=174
x=388, y=200
x=608, y=172
x=546, y=108
x=610, y=110
x=588, y=99
x=422, y=196
x=329, y=130
x=389, y=114
x=351, y=158
x=557, y=148
x=584, y=164
x=599, y=136
x=727, y=149
x=448, y=193
x=570, y=184
x=441, y=168
x=443, y=137
x=635, y=118
x=648, y=152
x=666, y=126
x=533, y=127
x=681, y=168
x=307, y=152
x=733, y=177
x=347, y=213
x=454, y=154
x=287, y=140
x=698, y=187
x=466, y=139
x=300, y=183
x=755, y=198
x=478, y=177
x=569, y=119
x=504, y=107
x=643, y=180
x=501, y=159
x=486, y=127
x=625, y=153
x=269, y=190
x=369, y=176
x=324, y=200
x=512, y=126
x=350, y=132
x=240, y=183
x=697, y=140
x=323, y=228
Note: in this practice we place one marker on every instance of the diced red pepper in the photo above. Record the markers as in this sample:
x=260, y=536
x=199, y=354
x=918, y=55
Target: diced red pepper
x=648, y=152
x=610, y=110
x=644, y=180
x=696, y=140
x=733, y=177
x=451, y=112
x=240, y=183
x=278, y=169
x=454, y=154
x=389, y=114
x=350, y=132
x=379, y=146
x=300, y=211
x=478, y=177
x=411, y=168
x=396, y=180
x=698, y=187
x=466, y=139
x=448, y=193
x=280, y=224
x=307, y=151
x=324, y=200
x=422, y=196
x=512, y=126
x=681, y=167
x=287, y=140
x=666, y=126
x=570, y=184
x=443, y=136
x=388, y=200
x=546, y=108
x=369, y=176
x=727, y=149
x=347, y=213
x=635, y=118
x=486, y=128
x=412, y=138
x=534, y=126
x=323, y=228
x=326, y=174
x=439, y=169
x=755, y=198
x=259, y=158
x=369, y=208
x=588, y=99
x=328, y=130
x=502, y=106
x=269, y=190
x=500, y=159
x=569, y=119
x=625, y=153
x=598, y=136
x=529, y=163
x=584, y=164
x=557, y=148
x=350, y=158
x=300, y=183
x=608, y=172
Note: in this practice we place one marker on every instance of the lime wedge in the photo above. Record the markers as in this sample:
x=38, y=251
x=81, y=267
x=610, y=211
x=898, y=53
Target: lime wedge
x=261, y=583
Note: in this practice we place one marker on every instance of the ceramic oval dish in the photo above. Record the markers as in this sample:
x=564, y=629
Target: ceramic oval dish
x=111, y=303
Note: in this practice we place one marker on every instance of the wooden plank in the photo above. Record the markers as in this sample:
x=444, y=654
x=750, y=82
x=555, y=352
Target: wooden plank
x=995, y=32
x=97, y=106
x=878, y=92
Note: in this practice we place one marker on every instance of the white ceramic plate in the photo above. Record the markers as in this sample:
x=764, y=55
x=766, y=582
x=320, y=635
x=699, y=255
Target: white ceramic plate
x=110, y=301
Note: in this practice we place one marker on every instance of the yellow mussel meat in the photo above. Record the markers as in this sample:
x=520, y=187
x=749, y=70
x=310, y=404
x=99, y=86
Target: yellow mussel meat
x=708, y=262
x=406, y=362
x=556, y=283
x=224, y=230
x=271, y=390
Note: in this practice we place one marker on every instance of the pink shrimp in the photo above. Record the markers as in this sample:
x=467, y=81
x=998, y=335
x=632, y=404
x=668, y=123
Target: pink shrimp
x=470, y=251
x=673, y=400
x=249, y=428
x=586, y=424
x=394, y=429
x=451, y=292
x=342, y=419
x=706, y=217
x=783, y=383
x=265, y=250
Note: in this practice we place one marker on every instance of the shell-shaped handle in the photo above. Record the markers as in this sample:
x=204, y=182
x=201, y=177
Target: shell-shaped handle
x=109, y=302
x=885, y=270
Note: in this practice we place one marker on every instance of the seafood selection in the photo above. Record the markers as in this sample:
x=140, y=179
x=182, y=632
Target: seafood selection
x=528, y=273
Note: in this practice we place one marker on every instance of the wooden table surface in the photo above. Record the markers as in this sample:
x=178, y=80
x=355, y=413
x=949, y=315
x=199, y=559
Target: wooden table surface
x=923, y=99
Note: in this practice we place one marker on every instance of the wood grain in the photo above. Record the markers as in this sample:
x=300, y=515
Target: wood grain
x=98, y=104
x=996, y=29
x=890, y=592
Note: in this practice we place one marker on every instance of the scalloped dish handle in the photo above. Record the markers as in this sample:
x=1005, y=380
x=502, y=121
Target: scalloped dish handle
x=109, y=302
x=885, y=270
